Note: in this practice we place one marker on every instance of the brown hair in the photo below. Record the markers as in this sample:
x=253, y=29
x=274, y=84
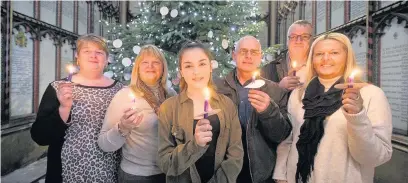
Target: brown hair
x=98, y=40
x=192, y=45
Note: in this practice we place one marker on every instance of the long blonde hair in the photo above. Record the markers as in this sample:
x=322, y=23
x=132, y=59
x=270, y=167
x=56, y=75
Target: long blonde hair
x=148, y=50
x=350, y=62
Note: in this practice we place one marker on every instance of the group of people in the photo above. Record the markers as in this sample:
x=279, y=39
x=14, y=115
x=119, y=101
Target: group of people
x=305, y=124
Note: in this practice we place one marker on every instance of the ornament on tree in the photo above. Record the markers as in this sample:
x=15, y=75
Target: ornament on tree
x=269, y=57
x=210, y=34
x=127, y=76
x=214, y=64
x=164, y=11
x=117, y=43
x=108, y=74
x=174, y=13
x=136, y=49
x=126, y=62
x=111, y=58
x=224, y=44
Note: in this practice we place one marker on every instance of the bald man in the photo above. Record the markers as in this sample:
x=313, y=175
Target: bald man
x=262, y=112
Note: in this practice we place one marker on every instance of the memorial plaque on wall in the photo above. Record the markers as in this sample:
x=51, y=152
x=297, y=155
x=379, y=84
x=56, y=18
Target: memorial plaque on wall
x=66, y=58
x=21, y=73
x=48, y=12
x=394, y=72
x=82, y=17
x=337, y=13
x=357, y=9
x=47, y=64
x=24, y=7
x=68, y=15
x=96, y=23
x=309, y=11
x=320, y=17
x=359, y=43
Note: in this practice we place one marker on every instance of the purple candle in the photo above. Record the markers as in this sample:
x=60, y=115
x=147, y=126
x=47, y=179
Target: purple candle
x=350, y=79
x=207, y=98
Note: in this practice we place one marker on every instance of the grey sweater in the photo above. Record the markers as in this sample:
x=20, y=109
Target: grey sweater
x=139, y=149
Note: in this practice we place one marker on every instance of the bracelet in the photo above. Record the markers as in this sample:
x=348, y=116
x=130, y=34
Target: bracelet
x=122, y=133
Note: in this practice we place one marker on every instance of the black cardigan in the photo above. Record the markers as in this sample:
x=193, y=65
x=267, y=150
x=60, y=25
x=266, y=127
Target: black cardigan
x=49, y=129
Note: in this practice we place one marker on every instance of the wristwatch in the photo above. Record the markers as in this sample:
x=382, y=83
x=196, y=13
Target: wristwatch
x=123, y=134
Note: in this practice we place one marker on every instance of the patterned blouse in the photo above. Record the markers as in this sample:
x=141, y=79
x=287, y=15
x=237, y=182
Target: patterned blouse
x=82, y=159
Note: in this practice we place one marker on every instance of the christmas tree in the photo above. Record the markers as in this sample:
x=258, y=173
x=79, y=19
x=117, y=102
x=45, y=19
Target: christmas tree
x=169, y=24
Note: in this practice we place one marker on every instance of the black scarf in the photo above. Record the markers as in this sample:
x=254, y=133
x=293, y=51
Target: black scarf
x=318, y=105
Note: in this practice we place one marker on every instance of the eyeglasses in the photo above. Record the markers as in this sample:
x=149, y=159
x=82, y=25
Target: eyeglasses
x=303, y=37
x=252, y=52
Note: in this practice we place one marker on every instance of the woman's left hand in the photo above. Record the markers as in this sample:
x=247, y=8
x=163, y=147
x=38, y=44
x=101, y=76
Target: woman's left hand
x=352, y=101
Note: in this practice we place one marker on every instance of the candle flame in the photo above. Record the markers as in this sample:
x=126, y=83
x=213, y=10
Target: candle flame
x=294, y=64
x=132, y=95
x=207, y=94
x=255, y=74
x=355, y=71
x=71, y=69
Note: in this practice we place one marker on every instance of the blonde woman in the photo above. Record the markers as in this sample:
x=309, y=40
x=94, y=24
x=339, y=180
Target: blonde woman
x=131, y=119
x=193, y=149
x=70, y=127
x=340, y=134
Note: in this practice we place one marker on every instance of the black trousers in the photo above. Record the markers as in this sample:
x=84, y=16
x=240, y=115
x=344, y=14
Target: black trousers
x=129, y=178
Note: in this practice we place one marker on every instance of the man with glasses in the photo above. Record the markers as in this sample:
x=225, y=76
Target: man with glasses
x=262, y=112
x=280, y=70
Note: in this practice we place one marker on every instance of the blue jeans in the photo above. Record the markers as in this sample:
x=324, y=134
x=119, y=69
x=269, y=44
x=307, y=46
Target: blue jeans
x=129, y=178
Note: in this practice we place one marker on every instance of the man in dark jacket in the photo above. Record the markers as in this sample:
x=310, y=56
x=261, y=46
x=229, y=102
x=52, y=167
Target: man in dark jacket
x=299, y=41
x=262, y=112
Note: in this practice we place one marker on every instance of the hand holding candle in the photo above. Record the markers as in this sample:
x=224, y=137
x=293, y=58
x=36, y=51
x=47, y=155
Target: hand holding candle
x=255, y=83
x=207, y=98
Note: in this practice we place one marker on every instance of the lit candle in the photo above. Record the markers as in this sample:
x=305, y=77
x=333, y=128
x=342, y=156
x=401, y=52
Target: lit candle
x=132, y=96
x=71, y=70
x=294, y=64
x=254, y=76
x=351, y=78
x=207, y=98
